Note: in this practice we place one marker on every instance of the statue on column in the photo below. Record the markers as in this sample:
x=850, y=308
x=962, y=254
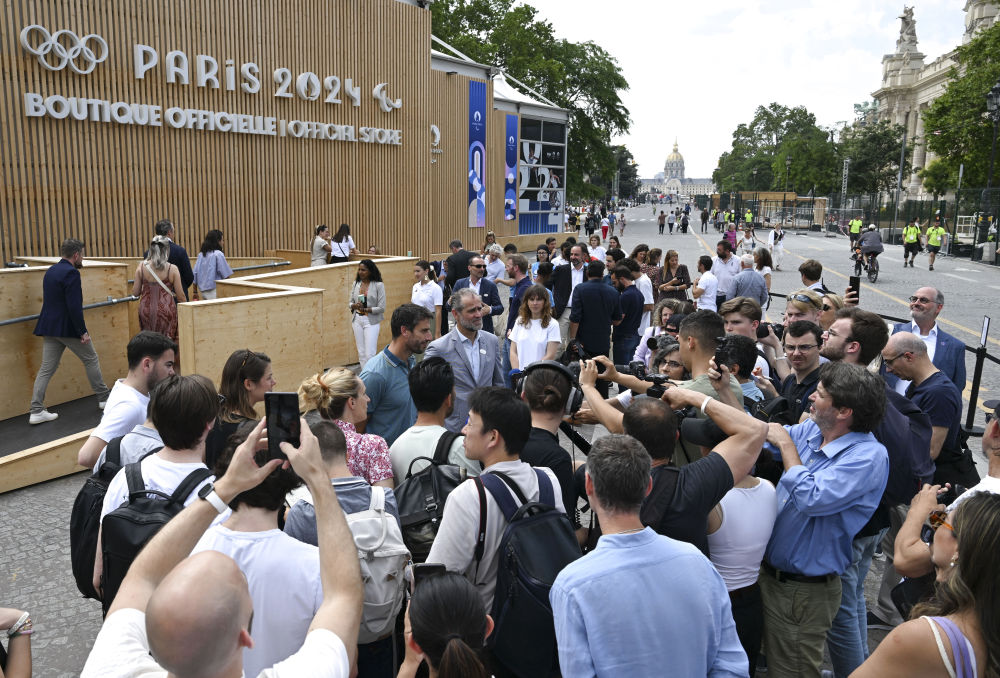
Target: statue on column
x=907, y=41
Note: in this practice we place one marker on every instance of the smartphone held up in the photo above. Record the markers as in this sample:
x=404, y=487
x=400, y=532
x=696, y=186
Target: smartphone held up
x=282, y=412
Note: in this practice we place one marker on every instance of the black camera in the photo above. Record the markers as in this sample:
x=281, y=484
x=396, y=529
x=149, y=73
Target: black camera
x=660, y=341
x=722, y=353
x=637, y=369
x=951, y=494
x=779, y=330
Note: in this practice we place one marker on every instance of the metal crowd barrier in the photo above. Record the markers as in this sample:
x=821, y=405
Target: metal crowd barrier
x=111, y=301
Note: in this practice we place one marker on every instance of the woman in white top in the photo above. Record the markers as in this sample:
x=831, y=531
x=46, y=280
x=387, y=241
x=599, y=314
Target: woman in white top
x=426, y=292
x=739, y=528
x=367, y=303
x=762, y=261
x=596, y=251
x=535, y=335
x=342, y=245
x=320, y=246
x=776, y=243
x=495, y=266
x=955, y=633
x=661, y=312
x=747, y=244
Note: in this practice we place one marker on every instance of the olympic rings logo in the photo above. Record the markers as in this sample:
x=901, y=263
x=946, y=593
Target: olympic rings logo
x=57, y=50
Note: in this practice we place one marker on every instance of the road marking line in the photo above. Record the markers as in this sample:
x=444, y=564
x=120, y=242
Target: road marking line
x=952, y=275
x=903, y=302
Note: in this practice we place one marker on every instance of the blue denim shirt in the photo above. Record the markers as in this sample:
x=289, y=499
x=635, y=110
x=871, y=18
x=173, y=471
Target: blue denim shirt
x=826, y=500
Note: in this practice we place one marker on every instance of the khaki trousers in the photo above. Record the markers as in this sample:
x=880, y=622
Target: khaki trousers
x=796, y=619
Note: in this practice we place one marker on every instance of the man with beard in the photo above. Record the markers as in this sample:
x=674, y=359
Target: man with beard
x=802, y=342
x=150, y=360
x=473, y=353
x=61, y=326
x=390, y=408
x=625, y=338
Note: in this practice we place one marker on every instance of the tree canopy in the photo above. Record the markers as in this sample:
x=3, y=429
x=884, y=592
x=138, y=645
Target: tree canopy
x=581, y=77
x=957, y=127
x=778, y=133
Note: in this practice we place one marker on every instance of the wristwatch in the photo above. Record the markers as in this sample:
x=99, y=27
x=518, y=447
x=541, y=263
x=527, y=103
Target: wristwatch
x=207, y=492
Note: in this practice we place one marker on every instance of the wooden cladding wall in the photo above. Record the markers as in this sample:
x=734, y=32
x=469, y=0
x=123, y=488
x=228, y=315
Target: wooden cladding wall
x=108, y=183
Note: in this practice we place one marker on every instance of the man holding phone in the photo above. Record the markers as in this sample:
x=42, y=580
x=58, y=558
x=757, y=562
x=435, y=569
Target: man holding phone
x=193, y=616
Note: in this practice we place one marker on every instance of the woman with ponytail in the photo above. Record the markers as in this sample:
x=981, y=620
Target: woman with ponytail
x=446, y=626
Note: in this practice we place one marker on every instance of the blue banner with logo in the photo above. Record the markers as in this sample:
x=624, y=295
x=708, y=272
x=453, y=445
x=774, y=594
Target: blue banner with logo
x=477, y=154
x=510, y=170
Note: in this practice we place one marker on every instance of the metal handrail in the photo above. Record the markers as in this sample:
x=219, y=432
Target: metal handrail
x=111, y=301
x=273, y=264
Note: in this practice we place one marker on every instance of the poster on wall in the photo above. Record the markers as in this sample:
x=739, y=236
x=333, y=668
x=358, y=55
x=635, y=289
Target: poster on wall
x=477, y=154
x=510, y=170
x=541, y=188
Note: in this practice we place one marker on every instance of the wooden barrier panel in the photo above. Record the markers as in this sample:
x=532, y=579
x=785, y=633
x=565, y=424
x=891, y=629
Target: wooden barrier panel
x=41, y=463
x=21, y=350
x=283, y=323
x=335, y=280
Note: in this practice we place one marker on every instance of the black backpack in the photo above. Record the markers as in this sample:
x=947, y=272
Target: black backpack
x=85, y=519
x=538, y=542
x=420, y=497
x=127, y=529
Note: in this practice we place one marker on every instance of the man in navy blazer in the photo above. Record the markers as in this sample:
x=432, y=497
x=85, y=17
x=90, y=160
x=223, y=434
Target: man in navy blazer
x=473, y=353
x=486, y=289
x=946, y=352
x=61, y=326
x=178, y=255
x=565, y=278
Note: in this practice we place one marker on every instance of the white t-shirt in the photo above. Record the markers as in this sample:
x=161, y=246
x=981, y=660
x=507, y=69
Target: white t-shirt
x=282, y=612
x=427, y=295
x=455, y=543
x=342, y=249
x=125, y=409
x=122, y=651
x=599, y=253
x=645, y=286
x=495, y=269
x=710, y=284
x=532, y=341
x=157, y=474
x=737, y=547
x=764, y=271
x=421, y=441
x=772, y=241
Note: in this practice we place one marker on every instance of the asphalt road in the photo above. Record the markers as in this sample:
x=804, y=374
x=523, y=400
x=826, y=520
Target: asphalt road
x=970, y=288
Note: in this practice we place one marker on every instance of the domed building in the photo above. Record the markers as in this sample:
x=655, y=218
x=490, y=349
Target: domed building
x=673, y=182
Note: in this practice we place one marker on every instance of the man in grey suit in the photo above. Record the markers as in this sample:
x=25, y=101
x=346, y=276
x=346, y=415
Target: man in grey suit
x=473, y=353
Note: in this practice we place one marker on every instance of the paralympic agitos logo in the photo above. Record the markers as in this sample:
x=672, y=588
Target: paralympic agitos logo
x=56, y=51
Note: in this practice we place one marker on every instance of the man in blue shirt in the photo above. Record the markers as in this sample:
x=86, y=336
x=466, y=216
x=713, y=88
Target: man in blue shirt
x=626, y=334
x=640, y=602
x=835, y=473
x=386, y=374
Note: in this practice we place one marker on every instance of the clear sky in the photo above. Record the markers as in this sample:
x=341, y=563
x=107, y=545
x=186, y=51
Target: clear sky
x=698, y=69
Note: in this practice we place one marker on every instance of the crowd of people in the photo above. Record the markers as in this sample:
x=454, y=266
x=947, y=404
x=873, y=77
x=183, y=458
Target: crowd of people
x=726, y=523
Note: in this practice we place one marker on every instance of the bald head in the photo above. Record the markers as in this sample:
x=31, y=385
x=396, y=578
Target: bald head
x=197, y=617
x=906, y=356
x=907, y=342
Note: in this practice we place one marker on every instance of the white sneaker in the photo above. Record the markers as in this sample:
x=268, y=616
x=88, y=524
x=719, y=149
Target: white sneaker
x=42, y=417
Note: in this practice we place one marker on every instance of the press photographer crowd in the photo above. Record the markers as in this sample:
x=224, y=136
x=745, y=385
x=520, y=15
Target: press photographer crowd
x=442, y=511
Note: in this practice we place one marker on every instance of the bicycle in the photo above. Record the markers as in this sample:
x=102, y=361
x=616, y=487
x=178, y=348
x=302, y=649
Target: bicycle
x=872, y=267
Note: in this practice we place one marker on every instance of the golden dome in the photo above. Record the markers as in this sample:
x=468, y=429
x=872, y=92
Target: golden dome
x=675, y=156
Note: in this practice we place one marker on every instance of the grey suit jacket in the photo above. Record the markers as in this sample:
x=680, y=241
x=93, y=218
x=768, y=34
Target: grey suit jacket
x=450, y=348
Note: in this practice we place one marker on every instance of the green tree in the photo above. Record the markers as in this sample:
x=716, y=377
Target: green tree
x=958, y=130
x=581, y=77
x=628, y=175
x=874, y=152
x=937, y=177
x=778, y=132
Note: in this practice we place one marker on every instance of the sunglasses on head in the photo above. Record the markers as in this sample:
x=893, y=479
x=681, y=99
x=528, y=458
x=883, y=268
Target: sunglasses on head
x=805, y=299
x=935, y=520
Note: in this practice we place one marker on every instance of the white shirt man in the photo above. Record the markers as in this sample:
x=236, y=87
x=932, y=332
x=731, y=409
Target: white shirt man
x=706, y=286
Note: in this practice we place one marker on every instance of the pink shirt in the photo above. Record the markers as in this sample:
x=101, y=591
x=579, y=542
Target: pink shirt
x=367, y=454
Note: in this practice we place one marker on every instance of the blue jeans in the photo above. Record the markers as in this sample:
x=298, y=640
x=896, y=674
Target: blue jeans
x=847, y=638
x=624, y=348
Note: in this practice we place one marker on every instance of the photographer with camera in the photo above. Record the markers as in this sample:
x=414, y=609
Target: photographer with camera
x=681, y=498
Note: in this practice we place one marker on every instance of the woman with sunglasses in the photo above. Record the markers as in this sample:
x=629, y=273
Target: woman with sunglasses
x=957, y=632
x=828, y=313
x=246, y=377
x=446, y=626
x=661, y=312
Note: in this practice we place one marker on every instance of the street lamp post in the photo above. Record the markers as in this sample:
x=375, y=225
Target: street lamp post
x=993, y=110
x=756, y=198
x=788, y=164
